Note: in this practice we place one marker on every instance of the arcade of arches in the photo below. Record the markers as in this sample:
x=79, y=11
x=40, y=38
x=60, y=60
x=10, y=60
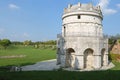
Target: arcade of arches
x=88, y=58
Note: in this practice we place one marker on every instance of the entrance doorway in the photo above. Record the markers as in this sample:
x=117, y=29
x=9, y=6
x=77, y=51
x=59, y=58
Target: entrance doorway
x=88, y=58
x=70, y=57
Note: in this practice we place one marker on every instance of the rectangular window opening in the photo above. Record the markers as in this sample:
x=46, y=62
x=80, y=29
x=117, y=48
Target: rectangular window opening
x=79, y=16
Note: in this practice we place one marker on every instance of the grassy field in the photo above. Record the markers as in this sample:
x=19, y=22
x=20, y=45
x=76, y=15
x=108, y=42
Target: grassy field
x=33, y=55
x=112, y=74
x=117, y=65
x=61, y=75
x=21, y=55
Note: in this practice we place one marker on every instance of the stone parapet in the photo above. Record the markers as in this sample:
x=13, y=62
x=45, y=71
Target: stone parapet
x=82, y=9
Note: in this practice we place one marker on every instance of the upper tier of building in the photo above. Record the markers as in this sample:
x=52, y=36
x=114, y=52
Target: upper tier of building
x=82, y=9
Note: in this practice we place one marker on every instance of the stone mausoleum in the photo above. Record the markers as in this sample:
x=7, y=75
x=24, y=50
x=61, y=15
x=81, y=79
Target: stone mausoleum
x=82, y=44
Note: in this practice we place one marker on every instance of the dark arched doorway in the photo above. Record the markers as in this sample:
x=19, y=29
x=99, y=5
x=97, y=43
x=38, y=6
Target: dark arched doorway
x=88, y=58
x=102, y=56
x=70, y=57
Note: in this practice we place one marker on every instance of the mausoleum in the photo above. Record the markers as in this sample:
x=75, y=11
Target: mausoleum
x=81, y=45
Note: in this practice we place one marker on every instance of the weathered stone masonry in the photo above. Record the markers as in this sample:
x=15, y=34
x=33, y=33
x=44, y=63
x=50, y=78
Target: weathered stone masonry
x=82, y=44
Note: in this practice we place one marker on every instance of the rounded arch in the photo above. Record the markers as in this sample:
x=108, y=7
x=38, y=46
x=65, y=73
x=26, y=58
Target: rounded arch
x=88, y=58
x=102, y=50
x=70, y=50
x=102, y=56
x=70, y=57
x=88, y=49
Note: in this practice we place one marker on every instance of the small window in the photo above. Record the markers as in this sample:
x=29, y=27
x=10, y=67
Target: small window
x=79, y=16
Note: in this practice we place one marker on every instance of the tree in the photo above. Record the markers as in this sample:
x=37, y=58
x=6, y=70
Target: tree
x=27, y=42
x=16, y=43
x=5, y=43
x=50, y=42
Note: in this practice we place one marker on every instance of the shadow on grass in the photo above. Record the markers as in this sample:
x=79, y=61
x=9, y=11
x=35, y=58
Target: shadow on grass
x=61, y=75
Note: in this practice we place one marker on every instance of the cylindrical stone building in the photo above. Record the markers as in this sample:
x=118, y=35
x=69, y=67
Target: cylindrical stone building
x=82, y=44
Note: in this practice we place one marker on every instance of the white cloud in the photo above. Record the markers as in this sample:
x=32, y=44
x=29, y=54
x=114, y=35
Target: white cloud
x=118, y=5
x=109, y=11
x=13, y=6
x=104, y=6
x=103, y=3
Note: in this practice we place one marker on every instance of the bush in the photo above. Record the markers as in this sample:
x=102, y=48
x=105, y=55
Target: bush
x=115, y=57
x=5, y=43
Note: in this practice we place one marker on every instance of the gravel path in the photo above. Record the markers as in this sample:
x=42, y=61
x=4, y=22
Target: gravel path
x=44, y=65
x=51, y=65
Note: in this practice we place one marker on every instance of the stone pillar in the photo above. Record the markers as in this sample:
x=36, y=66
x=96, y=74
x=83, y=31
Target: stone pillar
x=79, y=62
x=105, y=60
x=72, y=60
x=62, y=61
x=97, y=61
x=58, y=57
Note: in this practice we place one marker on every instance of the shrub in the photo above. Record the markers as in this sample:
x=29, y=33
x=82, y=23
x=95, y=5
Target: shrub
x=5, y=43
x=115, y=57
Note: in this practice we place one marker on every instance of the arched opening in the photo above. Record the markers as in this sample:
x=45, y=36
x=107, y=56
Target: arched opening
x=88, y=58
x=102, y=56
x=70, y=57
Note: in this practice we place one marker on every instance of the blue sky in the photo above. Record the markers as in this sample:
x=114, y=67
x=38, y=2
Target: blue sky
x=39, y=20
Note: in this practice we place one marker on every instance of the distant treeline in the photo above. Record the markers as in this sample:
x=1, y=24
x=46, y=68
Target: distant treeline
x=112, y=38
x=29, y=42
x=4, y=43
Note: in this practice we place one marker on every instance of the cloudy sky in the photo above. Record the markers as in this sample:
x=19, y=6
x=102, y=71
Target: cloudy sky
x=39, y=20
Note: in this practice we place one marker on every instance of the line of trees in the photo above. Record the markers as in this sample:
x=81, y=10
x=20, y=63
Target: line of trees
x=5, y=43
x=112, y=38
x=29, y=42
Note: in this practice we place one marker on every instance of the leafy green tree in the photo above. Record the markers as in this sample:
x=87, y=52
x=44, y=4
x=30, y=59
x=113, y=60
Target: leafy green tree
x=17, y=43
x=5, y=43
x=111, y=41
x=27, y=42
x=50, y=42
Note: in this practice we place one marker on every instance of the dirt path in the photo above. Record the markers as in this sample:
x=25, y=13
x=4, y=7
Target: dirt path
x=44, y=65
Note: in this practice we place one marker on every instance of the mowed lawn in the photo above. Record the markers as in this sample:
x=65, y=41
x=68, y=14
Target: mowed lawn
x=31, y=55
x=23, y=55
x=61, y=75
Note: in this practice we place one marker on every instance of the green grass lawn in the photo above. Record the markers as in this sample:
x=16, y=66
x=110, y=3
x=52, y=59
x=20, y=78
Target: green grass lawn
x=34, y=55
x=61, y=75
x=31, y=54
x=112, y=74
x=117, y=65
